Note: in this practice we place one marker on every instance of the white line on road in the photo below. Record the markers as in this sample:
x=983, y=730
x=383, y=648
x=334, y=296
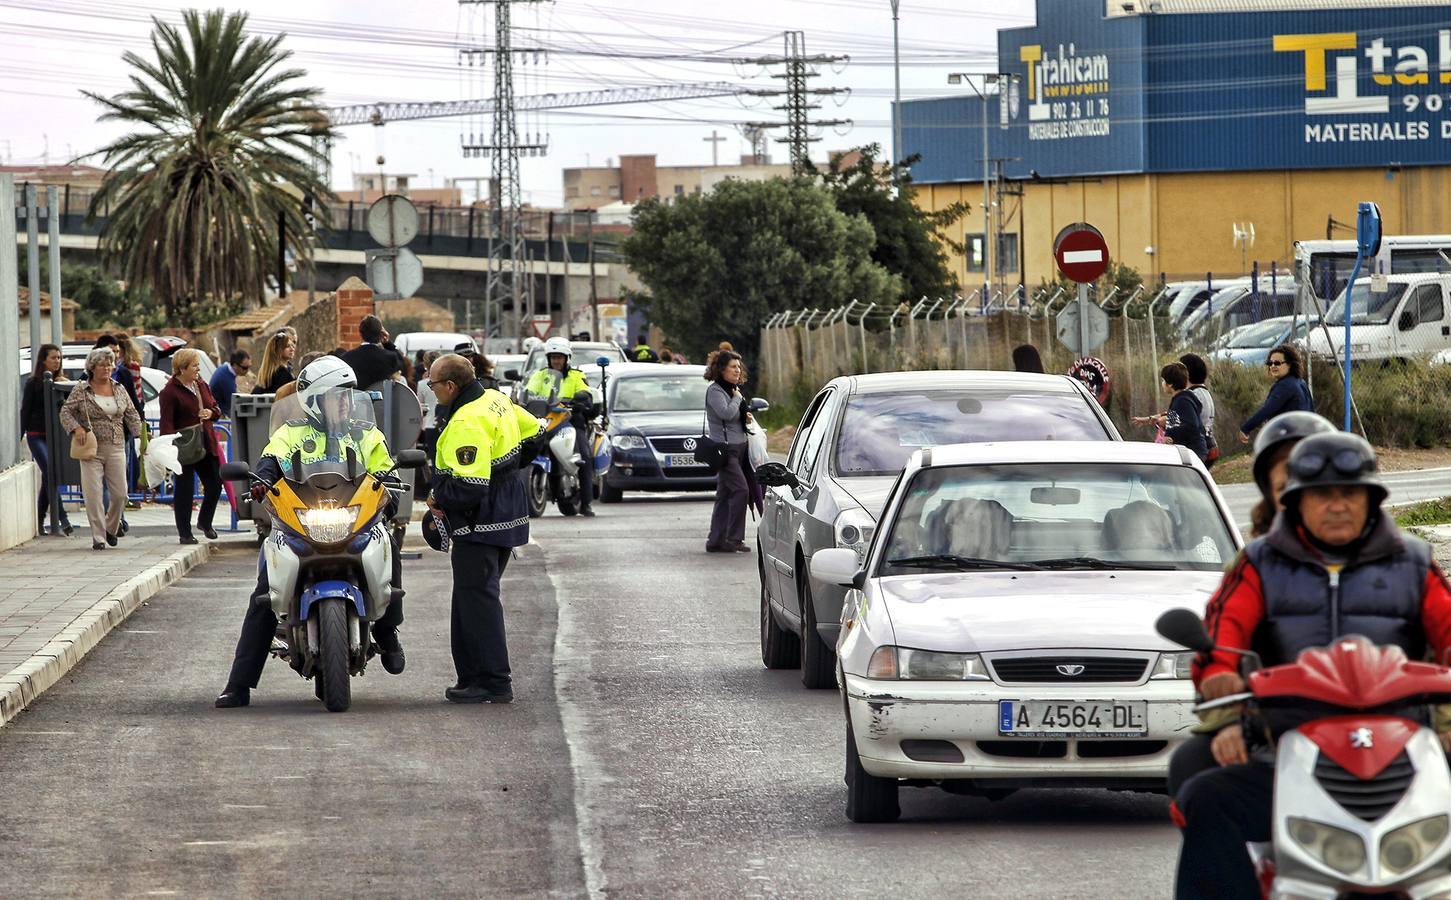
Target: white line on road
x=205, y=843
x=586, y=772
x=53, y=733
x=241, y=806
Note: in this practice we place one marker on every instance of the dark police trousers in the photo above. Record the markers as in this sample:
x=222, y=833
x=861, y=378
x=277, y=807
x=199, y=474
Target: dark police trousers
x=1225, y=808
x=259, y=625
x=586, y=467
x=480, y=654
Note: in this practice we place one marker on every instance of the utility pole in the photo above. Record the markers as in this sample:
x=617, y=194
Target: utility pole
x=504, y=149
x=987, y=239
x=799, y=103
x=896, y=89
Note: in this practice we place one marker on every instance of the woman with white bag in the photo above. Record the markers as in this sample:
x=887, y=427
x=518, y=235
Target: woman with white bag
x=99, y=416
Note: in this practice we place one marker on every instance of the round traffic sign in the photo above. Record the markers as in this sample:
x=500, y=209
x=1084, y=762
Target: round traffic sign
x=392, y=221
x=1081, y=252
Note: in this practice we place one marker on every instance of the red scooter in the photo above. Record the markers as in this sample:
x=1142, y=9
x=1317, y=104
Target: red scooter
x=1362, y=793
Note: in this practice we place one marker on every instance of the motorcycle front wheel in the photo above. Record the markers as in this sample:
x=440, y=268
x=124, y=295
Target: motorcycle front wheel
x=333, y=653
x=567, y=499
x=537, y=490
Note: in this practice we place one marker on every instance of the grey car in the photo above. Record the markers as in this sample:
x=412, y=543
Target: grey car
x=852, y=443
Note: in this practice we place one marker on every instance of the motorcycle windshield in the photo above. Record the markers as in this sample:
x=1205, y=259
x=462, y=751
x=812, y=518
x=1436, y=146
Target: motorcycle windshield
x=337, y=421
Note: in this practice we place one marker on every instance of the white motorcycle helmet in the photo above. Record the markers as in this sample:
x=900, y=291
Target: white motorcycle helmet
x=530, y=343
x=558, y=345
x=320, y=377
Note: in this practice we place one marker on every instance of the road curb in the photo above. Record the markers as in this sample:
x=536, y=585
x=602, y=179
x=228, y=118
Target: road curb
x=20, y=687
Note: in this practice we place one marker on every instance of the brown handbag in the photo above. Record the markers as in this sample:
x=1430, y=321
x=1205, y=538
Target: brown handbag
x=85, y=445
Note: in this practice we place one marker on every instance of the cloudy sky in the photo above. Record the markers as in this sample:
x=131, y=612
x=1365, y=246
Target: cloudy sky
x=364, y=51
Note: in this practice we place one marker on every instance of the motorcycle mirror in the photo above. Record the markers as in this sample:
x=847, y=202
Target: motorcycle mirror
x=1185, y=628
x=236, y=471
x=511, y=375
x=411, y=458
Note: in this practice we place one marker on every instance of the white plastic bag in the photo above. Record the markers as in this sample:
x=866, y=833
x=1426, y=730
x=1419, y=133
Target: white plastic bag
x=161, y=457
x=756, y=436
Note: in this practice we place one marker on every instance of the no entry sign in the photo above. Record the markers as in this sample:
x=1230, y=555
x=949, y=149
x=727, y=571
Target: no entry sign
x=1081, y=252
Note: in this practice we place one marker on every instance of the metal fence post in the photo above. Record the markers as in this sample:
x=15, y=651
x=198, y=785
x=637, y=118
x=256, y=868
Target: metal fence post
x=9, y=327
x=52, y=232
x=32, y=259
x=862, y=330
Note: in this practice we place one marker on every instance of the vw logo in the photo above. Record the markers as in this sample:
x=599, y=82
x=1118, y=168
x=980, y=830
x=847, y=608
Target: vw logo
x=1362, y=739
x=1070, y=670
x=689, y=444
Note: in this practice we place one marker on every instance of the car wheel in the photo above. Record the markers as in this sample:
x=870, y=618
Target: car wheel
x=780, y=649
x=868, y=798
x=608, y=492
x=818, y=661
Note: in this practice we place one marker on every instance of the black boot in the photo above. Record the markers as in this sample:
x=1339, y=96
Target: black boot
x=390, y=649
x=233, y=697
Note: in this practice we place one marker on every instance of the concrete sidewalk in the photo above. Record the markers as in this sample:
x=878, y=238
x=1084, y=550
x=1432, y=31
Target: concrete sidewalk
x=58, y=597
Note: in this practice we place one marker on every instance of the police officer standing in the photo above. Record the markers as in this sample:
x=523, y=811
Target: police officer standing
x=477, y=491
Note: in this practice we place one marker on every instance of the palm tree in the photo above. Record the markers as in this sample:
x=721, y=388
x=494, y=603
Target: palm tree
x=222, y=155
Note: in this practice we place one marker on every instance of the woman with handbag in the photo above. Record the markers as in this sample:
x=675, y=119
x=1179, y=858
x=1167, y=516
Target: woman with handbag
x=32, y=418
x=99, y=417
x=726, y=416
x=188, y=409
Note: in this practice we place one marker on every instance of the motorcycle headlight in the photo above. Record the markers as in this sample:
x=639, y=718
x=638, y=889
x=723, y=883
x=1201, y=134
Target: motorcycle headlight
x=1339, y=849
x=329, y=524
x=931, y=665
x=854, y=529
x=628, y=442
x=1407, y=846
x=1174, y=665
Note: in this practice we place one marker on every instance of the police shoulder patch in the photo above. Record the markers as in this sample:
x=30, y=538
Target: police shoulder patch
x=467, y=455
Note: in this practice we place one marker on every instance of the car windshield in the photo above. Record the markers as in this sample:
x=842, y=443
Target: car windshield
x=660, y=393
x=880, y=431
x=342, y=415
x=1262, y=334
x=1367, y=307
x=1057, y=516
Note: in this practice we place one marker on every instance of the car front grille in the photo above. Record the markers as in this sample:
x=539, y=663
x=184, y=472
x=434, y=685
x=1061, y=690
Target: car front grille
x=1371, y=799
x=1101, y=669
x=673, y=444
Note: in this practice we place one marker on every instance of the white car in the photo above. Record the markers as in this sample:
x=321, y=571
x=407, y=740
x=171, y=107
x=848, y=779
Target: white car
x=1001, y=633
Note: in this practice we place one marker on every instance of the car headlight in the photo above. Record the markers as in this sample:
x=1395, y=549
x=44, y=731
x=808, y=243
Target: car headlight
x=1339, y=849
x=854, y=529
x=1174, y=665
x=931, y=665
x=329, y=524
x=628, y=442
x=1406, y=847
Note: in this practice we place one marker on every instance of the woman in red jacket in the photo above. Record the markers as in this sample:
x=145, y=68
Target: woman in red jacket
x=186, y=401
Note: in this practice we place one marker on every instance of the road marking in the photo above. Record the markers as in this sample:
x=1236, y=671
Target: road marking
x=205, y=843
x=14, y=731
x=241, y=806
x=162, y=893
x=134, y=631
x=288, y=777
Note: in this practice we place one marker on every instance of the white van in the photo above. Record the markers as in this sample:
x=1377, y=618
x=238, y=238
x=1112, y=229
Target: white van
x=1406, y=322
x=409, y=344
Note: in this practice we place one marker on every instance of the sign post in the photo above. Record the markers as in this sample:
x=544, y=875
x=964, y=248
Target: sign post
x=394, y=272
x=1082, y=256
x=1367, y=245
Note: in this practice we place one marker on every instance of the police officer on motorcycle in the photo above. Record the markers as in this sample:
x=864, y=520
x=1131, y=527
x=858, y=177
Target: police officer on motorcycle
x=1333, y=564
x=561, y=381
x=315, y=437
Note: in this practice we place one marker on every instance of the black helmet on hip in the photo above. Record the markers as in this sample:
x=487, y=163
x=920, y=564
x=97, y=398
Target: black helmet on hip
x=1336, y=459
x=1290, y=426
x=435, y=531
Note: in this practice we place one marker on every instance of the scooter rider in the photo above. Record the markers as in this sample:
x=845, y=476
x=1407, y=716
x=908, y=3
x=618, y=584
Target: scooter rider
x=312, y=439
x=566, y=383
x=1333, y=564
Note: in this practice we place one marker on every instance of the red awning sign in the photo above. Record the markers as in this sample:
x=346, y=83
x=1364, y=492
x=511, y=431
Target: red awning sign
x=1081, y=252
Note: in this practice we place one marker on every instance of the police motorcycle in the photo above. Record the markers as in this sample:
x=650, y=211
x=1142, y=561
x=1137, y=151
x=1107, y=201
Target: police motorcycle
x=328, y=554
x=554, y=473
x=1361, y=784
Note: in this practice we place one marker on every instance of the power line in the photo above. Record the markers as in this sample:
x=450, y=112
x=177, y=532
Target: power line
x=797, y=71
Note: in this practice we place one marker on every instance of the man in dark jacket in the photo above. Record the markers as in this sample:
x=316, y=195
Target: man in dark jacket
x=224, y=380
x=1182, y=422
x=373, y=361
x=1333, y=564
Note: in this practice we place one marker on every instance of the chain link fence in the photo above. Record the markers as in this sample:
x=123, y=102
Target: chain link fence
x=1401, y=398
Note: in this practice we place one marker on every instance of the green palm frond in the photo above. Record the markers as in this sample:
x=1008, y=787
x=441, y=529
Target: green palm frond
x=221, y=151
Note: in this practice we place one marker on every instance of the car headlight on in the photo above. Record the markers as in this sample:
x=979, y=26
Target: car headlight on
x=329, y=524
x=1174, y=665
x=628, y=442
x=854, y=529
x=931, y=665
x=1407, y=846
x=1339, y=849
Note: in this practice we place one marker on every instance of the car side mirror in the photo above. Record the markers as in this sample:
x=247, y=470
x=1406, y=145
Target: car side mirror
x=236, y=471
x=836, y=565
x=760, y=404
x=511, y=374
x=411, y=458
x=1182, y=626
x=774, y=474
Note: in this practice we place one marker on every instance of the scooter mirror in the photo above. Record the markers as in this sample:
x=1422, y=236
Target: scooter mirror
x=1185, y=628
x=411, y=458
x=236, y=471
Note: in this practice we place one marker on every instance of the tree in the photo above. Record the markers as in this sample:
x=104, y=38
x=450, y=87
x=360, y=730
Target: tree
x=911, y=242
x=221, y=153
x=718, y=264
x=102, y=302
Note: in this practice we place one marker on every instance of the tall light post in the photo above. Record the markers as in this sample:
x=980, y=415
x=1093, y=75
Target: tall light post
x=987, y=238
x=897, y=90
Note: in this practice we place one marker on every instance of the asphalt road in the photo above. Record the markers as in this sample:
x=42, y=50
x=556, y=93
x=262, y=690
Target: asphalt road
x=648, y=755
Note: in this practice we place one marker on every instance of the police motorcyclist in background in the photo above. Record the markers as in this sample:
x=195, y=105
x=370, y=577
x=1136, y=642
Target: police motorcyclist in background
x=642, y=351
x=1333, y=564
x=312, y=438
x=560, y=380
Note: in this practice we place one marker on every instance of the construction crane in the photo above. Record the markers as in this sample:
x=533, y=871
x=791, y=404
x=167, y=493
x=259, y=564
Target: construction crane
x=382, y=113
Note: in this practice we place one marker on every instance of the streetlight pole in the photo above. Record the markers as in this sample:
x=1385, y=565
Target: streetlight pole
x=987, y=236
x=897, y=90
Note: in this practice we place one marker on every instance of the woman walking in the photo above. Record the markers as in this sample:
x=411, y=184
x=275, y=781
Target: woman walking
x=100, y=408
x=276, y=369
x=726, y=415
x=1288, y=393
x=187, y=403
x=32, y=418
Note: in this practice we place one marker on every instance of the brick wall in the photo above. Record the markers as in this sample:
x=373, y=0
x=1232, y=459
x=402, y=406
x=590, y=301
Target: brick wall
x=638, y=178
x=355, y=300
